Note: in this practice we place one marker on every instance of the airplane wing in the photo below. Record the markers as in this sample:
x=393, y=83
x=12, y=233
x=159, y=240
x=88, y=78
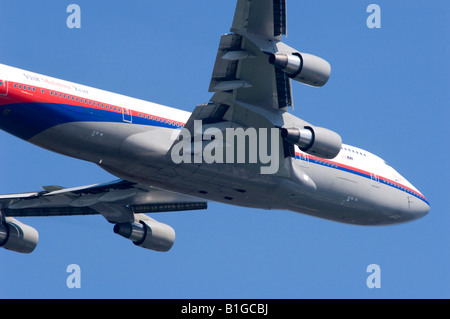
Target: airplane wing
x=242, y=71
x=248, y=90
x=251, y=79
x=117, y=201
x=267, y=18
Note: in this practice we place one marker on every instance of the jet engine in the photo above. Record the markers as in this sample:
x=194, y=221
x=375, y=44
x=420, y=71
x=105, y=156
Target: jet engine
x=17, y=236
x=315, y=141
x=303, y=67
x=147, y=233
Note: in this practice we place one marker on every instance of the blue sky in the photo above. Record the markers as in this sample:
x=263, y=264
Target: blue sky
x=388, y=94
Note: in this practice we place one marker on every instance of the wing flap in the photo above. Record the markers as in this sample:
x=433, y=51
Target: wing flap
x=225, y=68
x=242, y=72
x=263, y=17
x=117, y=201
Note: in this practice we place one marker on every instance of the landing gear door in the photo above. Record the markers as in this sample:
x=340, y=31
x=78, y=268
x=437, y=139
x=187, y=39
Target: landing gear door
x=3, y=85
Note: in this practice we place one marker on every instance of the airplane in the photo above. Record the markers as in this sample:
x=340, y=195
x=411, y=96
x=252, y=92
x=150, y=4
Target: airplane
x=135, y=140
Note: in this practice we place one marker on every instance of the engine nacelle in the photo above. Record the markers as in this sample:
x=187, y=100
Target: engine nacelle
x=303, y=67
x=148, y=233
x=17, y=236
x=316, y=141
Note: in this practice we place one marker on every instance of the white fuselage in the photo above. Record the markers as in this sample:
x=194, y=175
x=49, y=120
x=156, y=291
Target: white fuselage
x=132, y=138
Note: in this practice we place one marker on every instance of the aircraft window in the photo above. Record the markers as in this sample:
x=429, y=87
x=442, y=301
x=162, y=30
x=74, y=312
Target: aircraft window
x=34, y=90
x=51, y=93
x=15, y=85
x=76, y=99
x=89, y=102
x=42, y=91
